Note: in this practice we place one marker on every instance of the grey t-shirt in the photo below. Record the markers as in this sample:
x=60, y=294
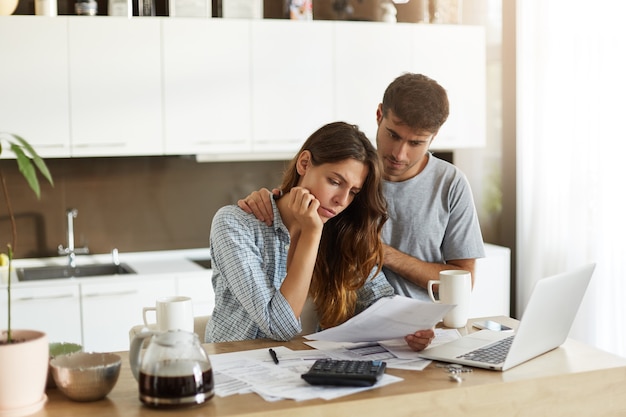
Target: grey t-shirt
x=432, y=217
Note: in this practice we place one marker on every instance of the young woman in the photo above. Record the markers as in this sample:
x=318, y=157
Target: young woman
x=324, y=245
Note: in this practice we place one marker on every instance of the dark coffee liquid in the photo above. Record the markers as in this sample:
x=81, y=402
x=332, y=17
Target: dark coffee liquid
x=176, y=390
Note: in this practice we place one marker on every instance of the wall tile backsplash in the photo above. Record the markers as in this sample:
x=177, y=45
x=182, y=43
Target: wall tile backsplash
x=133, y=204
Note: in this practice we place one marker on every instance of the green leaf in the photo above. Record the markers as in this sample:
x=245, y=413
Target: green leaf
x=26, y=168
x=39, y=163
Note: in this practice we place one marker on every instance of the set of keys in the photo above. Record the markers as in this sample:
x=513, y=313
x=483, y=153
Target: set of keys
x=454, y=370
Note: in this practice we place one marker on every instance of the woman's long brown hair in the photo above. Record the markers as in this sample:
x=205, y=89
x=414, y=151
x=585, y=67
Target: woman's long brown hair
x=350, y=246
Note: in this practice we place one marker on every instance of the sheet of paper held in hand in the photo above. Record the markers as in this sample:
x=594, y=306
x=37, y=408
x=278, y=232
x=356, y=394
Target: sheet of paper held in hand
x=388, y=318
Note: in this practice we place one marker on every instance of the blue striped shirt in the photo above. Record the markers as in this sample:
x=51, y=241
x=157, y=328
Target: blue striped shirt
x=249, y=261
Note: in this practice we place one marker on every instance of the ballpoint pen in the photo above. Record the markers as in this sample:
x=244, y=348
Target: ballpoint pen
x=273, y=355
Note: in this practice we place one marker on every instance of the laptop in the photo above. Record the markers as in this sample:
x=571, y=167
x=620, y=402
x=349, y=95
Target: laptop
x=546, y=322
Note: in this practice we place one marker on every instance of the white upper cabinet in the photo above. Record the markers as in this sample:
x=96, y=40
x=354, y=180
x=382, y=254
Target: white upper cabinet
x=115, y=86
x=226, y=89
x=292, y=82
x=368, y=56
x=455, y=57
x=206, y=86
x=34, y=98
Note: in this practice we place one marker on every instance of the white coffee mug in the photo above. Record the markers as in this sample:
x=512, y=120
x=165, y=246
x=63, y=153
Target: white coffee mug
x=455, y=288
x=172, y=313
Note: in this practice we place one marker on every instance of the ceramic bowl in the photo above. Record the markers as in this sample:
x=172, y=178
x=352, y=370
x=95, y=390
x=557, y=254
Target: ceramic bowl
x=58, y=349
x=86, y=376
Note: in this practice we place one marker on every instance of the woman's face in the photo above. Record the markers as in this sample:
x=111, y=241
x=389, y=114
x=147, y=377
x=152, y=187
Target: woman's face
x=334, y=184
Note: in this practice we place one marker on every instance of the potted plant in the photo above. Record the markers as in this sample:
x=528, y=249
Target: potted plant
x=23, y=353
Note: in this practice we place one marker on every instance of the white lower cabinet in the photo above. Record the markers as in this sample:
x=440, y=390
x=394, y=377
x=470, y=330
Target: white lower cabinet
x=200, y=289
x=53, y=309
x=111, y=308
x=99, y=314
x=492, y=285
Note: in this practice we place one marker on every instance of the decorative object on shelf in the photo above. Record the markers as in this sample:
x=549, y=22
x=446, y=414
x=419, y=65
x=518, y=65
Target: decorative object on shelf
x=86, y=7
x=388, y=11
x=146, y=8
x=445, y=11
x=46, y=7
x=242, y=9
x=190, y=8
x=413, y=11
x=122, y=8
x=301, y=9
x=359, y=10
x=406, y=11
x=7, y=7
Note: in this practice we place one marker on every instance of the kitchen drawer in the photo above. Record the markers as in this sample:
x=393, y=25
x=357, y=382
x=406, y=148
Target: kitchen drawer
x=198, y=286
x=111, y=308
x=54, y=310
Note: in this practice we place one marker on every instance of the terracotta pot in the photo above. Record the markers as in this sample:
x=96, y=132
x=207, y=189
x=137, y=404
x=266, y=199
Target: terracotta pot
x=23, y=372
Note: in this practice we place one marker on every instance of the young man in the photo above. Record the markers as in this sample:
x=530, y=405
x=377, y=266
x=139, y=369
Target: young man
x=433, y=225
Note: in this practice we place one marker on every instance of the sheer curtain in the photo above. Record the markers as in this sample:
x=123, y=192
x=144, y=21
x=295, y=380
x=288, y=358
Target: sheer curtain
x=571, y=135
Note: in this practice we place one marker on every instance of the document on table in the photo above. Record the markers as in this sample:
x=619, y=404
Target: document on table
x=388, y=318
x=255, y=371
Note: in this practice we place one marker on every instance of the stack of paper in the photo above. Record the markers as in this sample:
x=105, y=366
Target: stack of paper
x=255, y=371
x=375, y=334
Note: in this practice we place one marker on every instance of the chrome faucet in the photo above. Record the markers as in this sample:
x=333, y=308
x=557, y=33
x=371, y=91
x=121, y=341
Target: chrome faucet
x=71, y=251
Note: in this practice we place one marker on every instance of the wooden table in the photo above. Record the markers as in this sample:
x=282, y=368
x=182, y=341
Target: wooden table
x=573, y=380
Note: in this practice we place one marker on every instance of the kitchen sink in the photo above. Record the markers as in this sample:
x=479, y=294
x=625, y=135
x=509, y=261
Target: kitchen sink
x=65, y=271
x=205, y=263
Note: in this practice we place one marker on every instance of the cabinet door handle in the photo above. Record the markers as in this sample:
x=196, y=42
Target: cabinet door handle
x=100, y=145
x=48, y=145
x=111, y=294
x=49, y=297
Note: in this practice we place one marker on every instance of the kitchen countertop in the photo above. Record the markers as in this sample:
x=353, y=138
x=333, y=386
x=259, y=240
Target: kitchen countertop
x=147, y=263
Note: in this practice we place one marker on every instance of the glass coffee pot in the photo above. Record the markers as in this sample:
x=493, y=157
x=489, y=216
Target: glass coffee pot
x=173, y=372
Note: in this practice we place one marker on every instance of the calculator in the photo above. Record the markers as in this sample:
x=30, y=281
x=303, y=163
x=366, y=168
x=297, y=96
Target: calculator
x=353, y=373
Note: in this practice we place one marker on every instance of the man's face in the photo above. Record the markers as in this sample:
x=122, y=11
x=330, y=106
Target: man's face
x=402, y=149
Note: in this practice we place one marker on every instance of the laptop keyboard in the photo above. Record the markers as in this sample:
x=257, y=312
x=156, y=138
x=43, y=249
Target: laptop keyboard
x=494, y=353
